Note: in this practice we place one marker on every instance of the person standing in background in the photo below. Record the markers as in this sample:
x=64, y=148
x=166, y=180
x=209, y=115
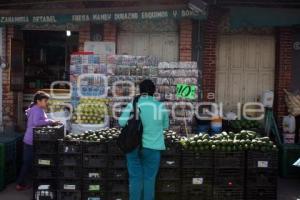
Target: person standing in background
x=143, y=163
x=36, y=116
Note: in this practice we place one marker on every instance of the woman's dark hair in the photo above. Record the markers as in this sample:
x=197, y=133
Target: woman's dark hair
x=147, y=87
x=39, y=95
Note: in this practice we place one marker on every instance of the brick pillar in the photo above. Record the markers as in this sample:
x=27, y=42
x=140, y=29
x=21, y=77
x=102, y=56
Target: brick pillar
x=110, y=32
x=84, y=35
x=283, y=70
x=185, y=40
x=9, y=118
x=210, y=30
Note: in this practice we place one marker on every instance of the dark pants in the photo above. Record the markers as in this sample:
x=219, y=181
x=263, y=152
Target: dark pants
x=26, y=165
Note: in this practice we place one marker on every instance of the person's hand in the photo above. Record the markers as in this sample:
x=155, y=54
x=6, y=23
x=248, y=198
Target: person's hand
x=55, y=123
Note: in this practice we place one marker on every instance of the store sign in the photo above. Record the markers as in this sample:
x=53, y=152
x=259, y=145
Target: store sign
x=186, y=91
x=101, y=17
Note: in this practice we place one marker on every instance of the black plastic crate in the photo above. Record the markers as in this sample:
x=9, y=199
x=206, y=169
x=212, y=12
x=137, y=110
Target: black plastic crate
x=94, y=148
x=198, y=159
x=70, y=184
x=48, y=133
x=261, y=177
x=118, y=162
x=172, y=149
x=262, y=160
x=69, y=147
x=118, y=187
x=94, y=186
x=44, y=189
x=168, y=196
x=94, y=173
x=197, y=193
x=45, y=147
x=45, y=172
x=168, y=186
x=229, y=178
x=261, y=193
x=94, y=161
x=232, y=160
x=118, y=196
x=117, y=174
x=70, y=160
x=169, y=174
x=43, y=160
x=170, y=162
x=113, y=149
x=93, y=196
x=228, y=193
x=198, y=177
x=69, y=172
x=65, y=195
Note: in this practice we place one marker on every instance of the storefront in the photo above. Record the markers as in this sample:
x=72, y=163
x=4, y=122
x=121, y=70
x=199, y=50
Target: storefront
x=46, y=46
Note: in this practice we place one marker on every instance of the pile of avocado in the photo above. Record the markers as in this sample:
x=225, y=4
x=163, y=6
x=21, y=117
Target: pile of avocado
x=244, y=140
x=244, y=124
x=104, y=135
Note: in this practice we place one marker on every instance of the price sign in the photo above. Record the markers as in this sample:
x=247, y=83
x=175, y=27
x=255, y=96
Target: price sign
x=186, y=91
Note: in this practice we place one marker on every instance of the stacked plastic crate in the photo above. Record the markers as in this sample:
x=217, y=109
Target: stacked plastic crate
x=94, y=170
x=45, y=161
x=197, y=175
x=69, y=170
x=117, y=174
x=168, y=180
x=261, y=176
x=229, y=175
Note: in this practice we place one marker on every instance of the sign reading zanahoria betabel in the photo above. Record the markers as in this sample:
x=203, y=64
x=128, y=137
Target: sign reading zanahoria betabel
x=101, y=17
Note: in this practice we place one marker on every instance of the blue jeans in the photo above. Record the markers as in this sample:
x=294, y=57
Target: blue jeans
x=27, y=164
x=142, y=168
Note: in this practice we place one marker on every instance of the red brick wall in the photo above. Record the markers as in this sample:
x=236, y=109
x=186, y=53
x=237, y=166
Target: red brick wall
x=84, y=35
x=210, y=30
x=283, y=70
x=110, y=32
x=9, y=101
x=185, y=40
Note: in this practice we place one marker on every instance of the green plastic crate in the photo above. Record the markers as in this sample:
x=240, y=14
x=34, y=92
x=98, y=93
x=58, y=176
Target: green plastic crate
x=9, y=158
x=2, y=157
x=289, y=154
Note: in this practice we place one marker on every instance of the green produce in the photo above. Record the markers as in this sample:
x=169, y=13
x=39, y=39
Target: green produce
x=244, y=124
x=244, y=140
x=103, y=135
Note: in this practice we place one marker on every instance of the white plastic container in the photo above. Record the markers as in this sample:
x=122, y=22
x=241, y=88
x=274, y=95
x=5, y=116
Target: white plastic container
x=268, y=99
x=289, y=124
x=289, y=138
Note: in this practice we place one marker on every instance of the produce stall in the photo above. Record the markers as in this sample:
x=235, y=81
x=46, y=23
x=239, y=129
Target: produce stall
x=89, y=165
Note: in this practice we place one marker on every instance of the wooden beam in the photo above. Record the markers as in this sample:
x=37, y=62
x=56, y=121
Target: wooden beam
x=11, y=12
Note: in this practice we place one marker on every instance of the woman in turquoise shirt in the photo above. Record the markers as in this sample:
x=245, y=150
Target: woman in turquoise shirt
x=143, y=166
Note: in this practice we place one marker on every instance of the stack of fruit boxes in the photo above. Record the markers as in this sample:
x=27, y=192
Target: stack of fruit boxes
x=261, y=175
x=95, y=162
x=69, y=170
x=117, y=174
x=229, y=175
x=197, y=174
x=45, y=161
x=168, y=179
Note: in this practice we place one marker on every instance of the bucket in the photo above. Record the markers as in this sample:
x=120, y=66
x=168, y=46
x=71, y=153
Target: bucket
x=216, y=125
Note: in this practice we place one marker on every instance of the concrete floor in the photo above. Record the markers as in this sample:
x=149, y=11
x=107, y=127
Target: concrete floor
x=288, y=189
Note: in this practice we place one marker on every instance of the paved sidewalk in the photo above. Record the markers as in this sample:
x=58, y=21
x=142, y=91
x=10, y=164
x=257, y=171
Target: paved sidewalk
x=288, y=189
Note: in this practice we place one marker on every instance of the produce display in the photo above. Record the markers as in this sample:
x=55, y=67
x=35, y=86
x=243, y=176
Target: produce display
x=244, y=140
x=244, y=124
x=91, y=111
x=104, y=135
